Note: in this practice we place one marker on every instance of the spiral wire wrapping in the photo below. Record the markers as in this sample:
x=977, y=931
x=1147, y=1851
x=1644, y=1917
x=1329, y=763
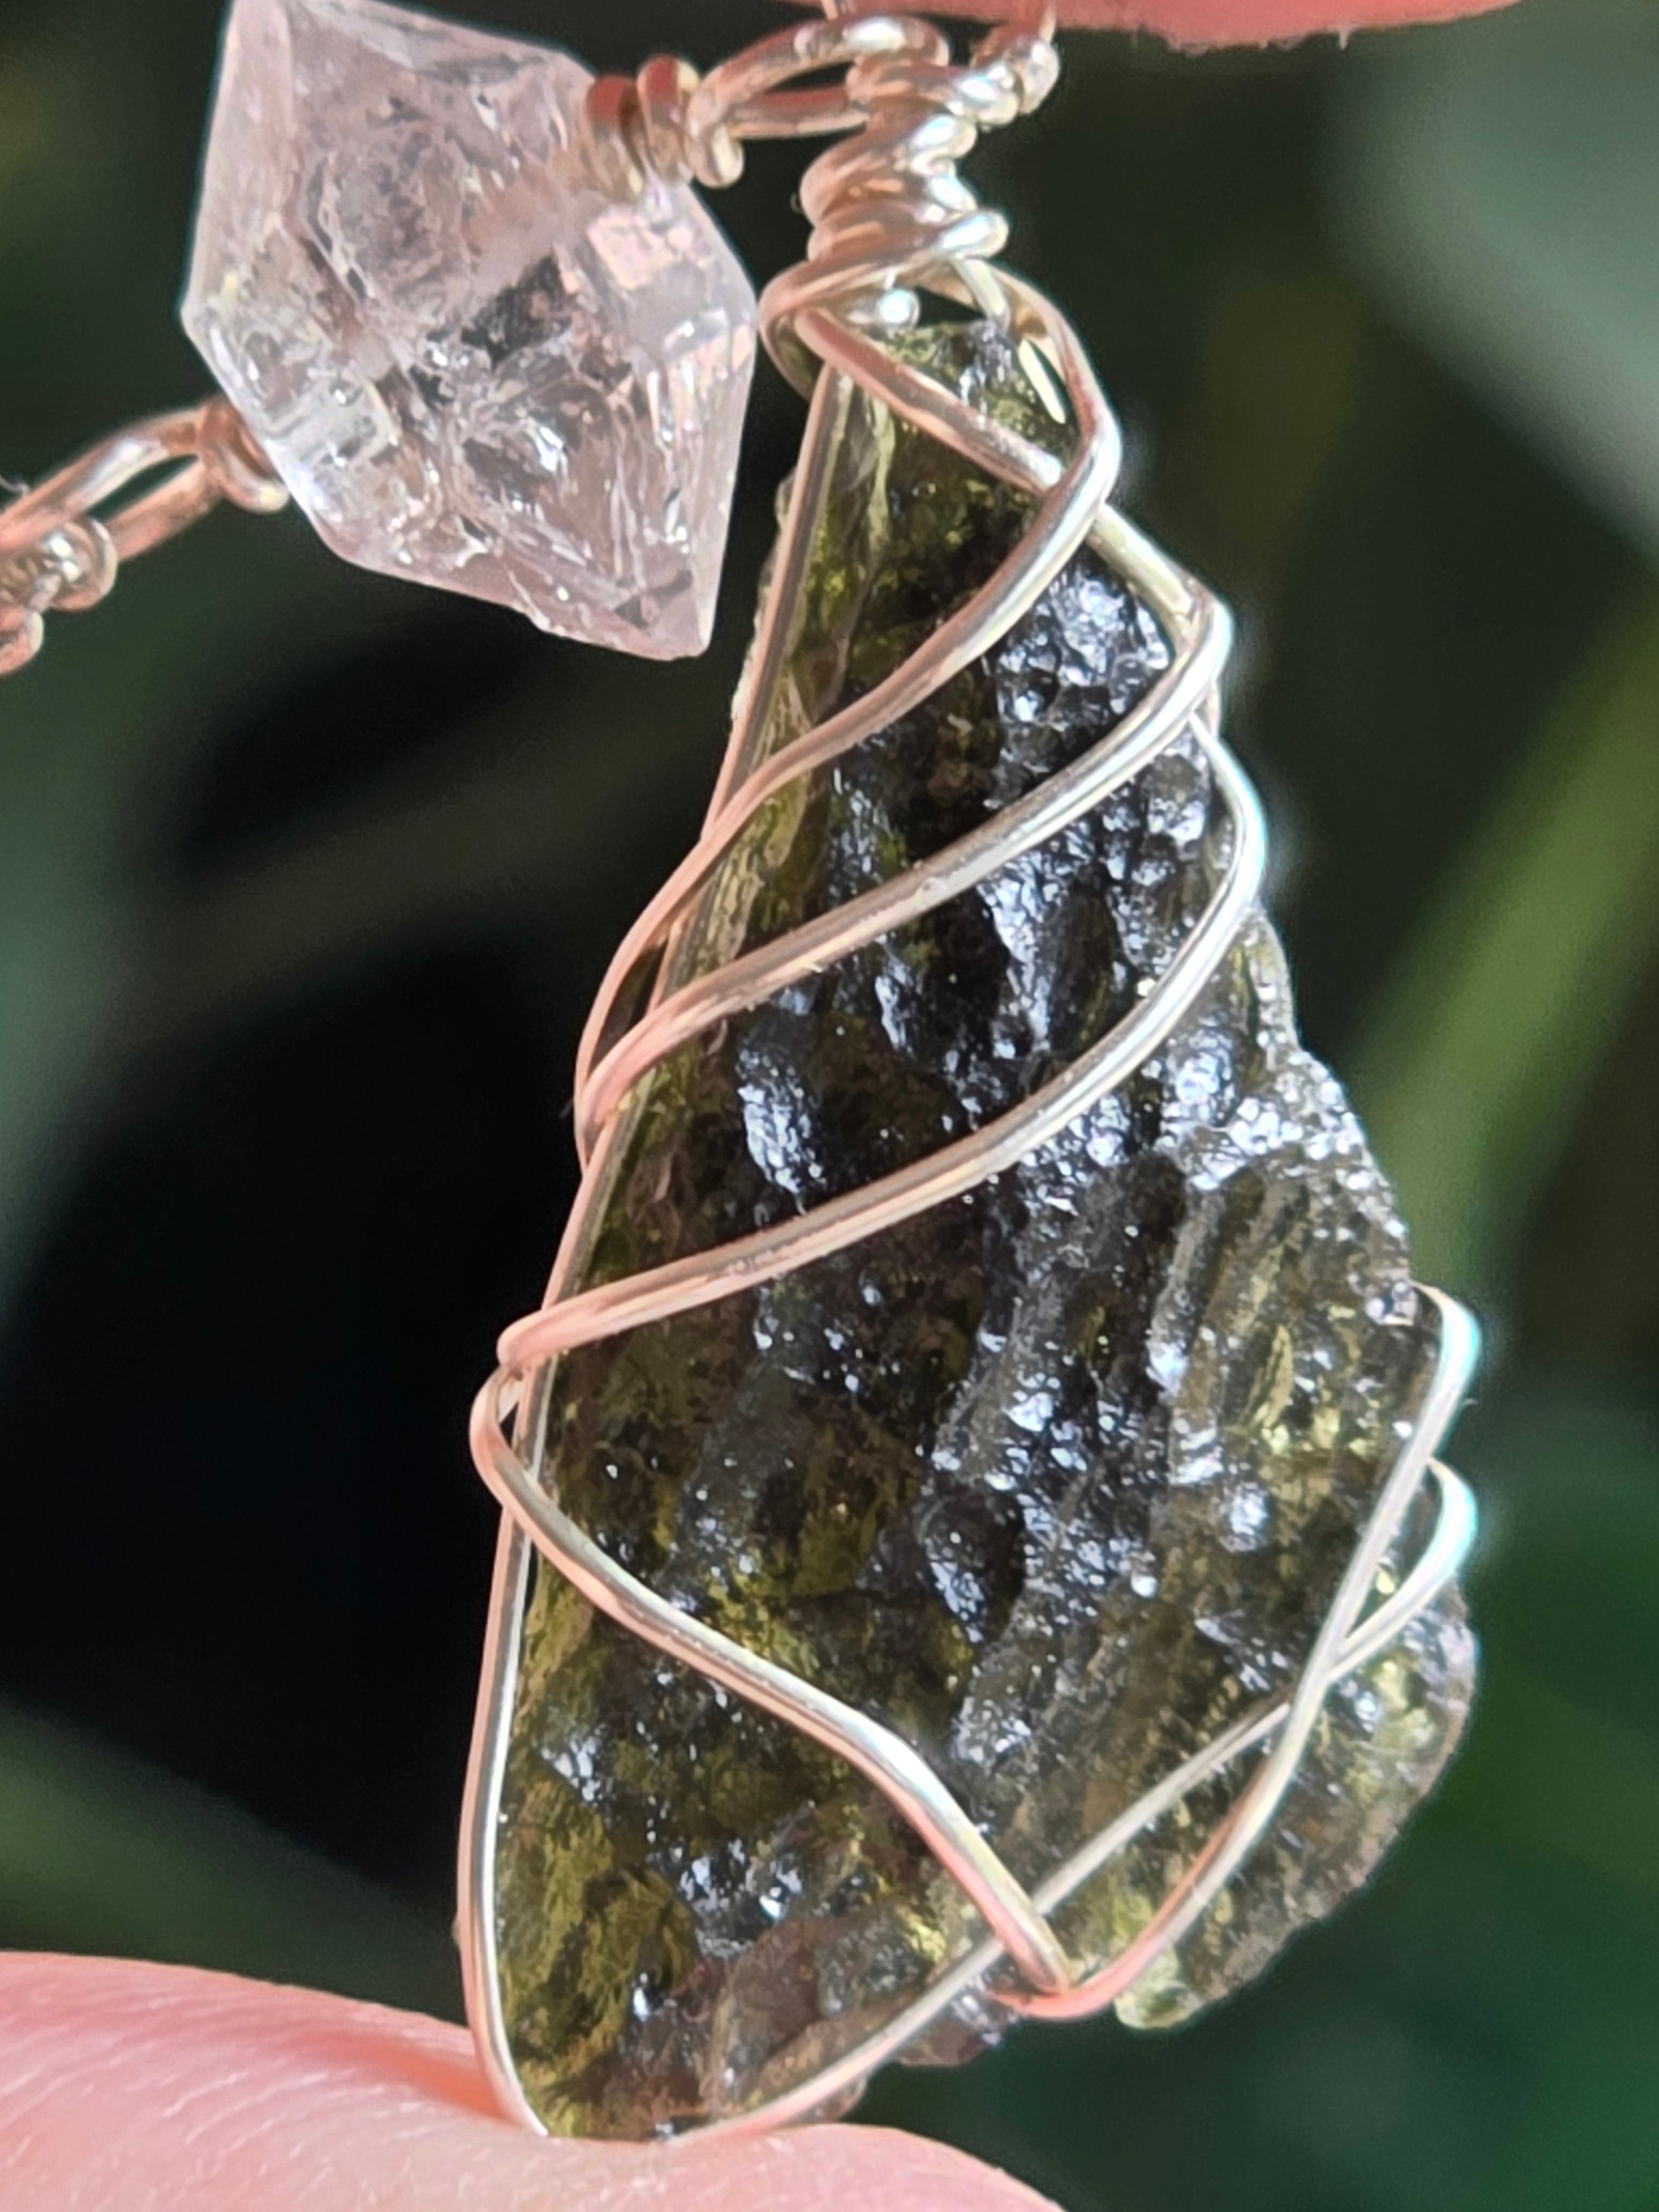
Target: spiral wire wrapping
x=57, y=555
x=891, y=220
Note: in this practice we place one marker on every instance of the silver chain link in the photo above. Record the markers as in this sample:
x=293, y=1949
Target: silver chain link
x=60, y=555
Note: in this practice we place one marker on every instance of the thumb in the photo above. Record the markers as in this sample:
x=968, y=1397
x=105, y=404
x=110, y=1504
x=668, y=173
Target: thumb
x=1221, y=22
x=124, y=2087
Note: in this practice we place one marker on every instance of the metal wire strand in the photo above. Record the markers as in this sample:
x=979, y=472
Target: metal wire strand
x=892, y=222
x=57, y=555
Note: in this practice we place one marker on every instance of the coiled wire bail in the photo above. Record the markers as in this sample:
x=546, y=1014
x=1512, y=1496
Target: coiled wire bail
x=891, y=216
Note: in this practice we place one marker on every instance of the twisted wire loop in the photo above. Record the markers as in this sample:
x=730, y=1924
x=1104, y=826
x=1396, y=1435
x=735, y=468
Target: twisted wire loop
x=892, y=223
x=57, y=555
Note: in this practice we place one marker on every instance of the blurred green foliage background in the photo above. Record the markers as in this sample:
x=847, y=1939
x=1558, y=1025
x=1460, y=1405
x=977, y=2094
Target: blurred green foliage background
x=305, y=881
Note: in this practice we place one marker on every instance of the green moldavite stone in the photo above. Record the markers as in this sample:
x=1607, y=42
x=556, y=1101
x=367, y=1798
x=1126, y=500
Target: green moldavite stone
x=1056, y=1480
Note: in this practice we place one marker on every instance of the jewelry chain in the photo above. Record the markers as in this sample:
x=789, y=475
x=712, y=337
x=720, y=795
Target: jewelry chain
x=58, y=554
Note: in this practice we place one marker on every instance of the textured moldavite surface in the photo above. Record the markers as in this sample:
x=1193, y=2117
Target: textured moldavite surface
x=1056, y=1480
x=471, y=365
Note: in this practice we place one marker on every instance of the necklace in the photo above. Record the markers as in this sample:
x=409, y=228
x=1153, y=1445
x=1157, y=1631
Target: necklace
x=972, y=1540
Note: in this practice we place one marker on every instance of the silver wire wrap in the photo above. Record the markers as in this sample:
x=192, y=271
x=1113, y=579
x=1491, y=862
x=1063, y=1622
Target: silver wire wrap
x=892, y=221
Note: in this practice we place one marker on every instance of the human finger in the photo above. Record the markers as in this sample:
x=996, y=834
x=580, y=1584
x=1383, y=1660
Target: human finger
x=125, y=2085
x=1221, y=22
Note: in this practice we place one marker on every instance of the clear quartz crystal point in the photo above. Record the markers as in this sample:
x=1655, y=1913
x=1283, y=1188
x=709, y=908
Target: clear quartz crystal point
x=469, y=365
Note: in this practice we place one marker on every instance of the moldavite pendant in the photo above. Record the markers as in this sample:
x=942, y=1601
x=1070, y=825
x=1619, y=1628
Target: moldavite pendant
x=1057, y=1479
x=977, y=1449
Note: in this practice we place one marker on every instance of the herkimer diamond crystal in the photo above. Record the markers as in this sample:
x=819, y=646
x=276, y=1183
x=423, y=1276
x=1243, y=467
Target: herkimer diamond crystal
x=470, y=366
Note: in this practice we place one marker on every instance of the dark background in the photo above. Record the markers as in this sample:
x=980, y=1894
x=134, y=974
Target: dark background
x=305, y=880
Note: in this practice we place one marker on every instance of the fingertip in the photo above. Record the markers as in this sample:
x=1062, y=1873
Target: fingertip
x=125, y=2085
x=849, y=2169
x=1205, y=23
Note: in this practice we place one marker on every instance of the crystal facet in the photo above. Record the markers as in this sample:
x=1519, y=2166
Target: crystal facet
x=1057, y=1479
x=468, y=365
